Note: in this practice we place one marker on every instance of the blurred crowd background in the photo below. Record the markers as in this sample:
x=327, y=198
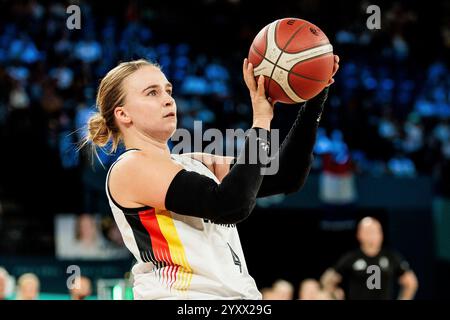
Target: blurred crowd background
x=386, y=124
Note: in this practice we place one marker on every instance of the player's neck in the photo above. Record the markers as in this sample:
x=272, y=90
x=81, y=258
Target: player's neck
x=148, y=144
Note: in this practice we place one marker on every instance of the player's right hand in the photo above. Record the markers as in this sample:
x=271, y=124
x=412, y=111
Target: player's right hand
x=262, y=106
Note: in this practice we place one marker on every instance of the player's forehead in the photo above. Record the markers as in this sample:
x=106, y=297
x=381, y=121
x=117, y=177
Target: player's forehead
x=144, y=77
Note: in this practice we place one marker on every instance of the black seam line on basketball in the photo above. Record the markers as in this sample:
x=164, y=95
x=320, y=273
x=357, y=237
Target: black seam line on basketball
x=302, y=76
x=298, y=75
x=263, y=55
x=275, y=35
x=260, y=54
x=267, y=46
x=297, y=94
x=290, y=71
x=282, y=51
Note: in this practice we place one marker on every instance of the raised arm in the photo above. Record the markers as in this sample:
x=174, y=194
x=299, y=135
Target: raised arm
x=296, y=152
x=295, y=155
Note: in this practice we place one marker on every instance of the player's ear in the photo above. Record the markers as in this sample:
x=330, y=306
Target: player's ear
x=122, y=115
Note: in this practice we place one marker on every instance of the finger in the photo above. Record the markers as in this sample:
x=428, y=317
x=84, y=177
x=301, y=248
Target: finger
x=335, y=69
x=244, y=71
x=251, y=82
x=330, y=82
x=261, y=90
x=336, y=58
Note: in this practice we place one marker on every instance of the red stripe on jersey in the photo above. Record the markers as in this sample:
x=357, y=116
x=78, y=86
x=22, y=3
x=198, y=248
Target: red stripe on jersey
x=159, y=242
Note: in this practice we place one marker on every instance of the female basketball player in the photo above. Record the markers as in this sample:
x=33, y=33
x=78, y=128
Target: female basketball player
x=177, y=213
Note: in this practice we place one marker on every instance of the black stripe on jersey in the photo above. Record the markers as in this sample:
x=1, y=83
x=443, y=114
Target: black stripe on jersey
x=143, y=240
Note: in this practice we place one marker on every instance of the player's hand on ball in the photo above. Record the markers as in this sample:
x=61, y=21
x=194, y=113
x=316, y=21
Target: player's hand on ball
x=262, y=106
x=335, y=69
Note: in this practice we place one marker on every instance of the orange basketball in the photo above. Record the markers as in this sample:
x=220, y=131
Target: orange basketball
x=296, y=58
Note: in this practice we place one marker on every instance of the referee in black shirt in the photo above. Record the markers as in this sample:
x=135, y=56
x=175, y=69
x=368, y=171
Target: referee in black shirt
x=370, y=272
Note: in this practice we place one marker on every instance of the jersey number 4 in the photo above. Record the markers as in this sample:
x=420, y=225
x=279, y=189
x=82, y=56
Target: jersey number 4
x=236, y=259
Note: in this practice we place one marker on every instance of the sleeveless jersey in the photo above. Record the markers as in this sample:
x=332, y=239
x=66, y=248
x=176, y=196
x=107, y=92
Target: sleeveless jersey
x=179, y=256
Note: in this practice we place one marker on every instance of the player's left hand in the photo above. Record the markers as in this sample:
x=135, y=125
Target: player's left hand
x=335, y=69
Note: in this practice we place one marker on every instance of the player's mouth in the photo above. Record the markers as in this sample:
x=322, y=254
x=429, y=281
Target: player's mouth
x=169, y=115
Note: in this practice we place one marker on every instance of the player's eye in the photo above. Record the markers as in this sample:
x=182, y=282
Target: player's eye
x=169, y=92
x=152, y=93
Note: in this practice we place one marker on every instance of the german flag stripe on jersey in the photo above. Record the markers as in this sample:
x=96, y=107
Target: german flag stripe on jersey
x=142, y=239
x=167, y=247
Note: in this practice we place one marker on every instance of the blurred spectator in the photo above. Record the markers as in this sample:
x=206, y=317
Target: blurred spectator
x=323, y=143
x=401, y=166
x=88, y=50
x=442, y=131
x=86, y=234
x=352, y=268
x=388, y=127
x=63, y=76
x=3, y=282
x=18, y=98
x=82, y=238
x=195, y=85
x=111, y=232
x=413, y=140
x=337, y=181
x=267, y=294
x=82, y=289
x=51, y=101
x=310, y=289
x=7, y=284
x=28, y=287
x=23, y=49
x=337, y=189
x=282, y=290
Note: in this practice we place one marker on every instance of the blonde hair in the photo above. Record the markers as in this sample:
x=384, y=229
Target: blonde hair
x=101, y=126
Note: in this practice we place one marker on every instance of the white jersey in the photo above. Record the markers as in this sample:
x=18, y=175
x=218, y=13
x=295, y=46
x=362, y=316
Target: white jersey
x=183, y=257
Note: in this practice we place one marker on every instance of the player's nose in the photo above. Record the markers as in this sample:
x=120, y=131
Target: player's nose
x=169, y=101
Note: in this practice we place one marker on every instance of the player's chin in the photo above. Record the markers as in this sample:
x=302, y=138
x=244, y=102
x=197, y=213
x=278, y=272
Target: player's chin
x=171, y=126
x=169, y=122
